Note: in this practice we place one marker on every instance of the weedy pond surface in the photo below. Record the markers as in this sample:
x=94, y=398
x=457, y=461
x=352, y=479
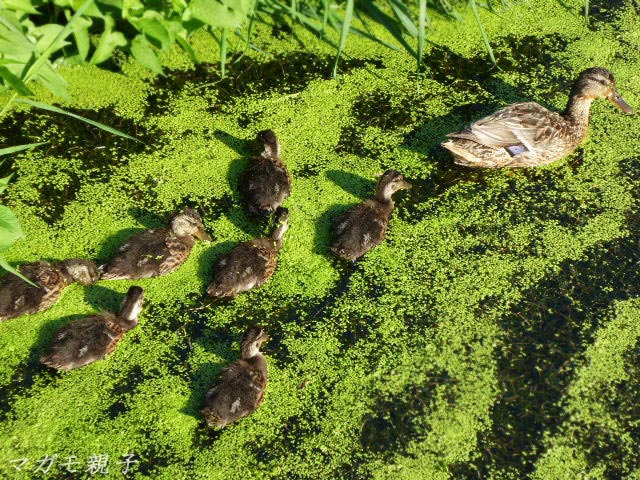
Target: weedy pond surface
x=493, y=335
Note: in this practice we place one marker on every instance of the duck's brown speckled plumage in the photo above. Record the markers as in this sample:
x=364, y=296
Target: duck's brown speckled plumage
x=157, y=251
x=364, y=226
x=89, y=339
x=266, y=182
x=528, y=134
x=250, y=264
x=17, y=297
x=239, y=389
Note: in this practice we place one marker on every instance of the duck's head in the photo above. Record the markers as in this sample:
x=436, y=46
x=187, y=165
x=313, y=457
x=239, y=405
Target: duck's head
x=282, y=225
x=390, y=182
x=253, y=339
x=131, y=307
x=82, y=271
x=188, y=222
x=270, y=144
x=598, y=82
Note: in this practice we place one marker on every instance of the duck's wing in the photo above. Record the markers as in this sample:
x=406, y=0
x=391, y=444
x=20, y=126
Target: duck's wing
x=265, y=184
x=141, y=256
x=82, y=342
x=18, y=298
x=518, y=128
x=243, y=268
x=237, y=392
x=358, y=230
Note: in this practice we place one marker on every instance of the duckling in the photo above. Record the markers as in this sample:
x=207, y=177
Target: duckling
x=527, y=134
x=364, y=226
x=17, y=297
x=266, y=182
x=250, y=264
x=157, y=251
x=89, y=339
x=239, y=389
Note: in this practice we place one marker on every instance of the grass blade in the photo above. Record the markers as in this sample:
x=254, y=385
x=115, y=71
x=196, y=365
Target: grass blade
x=485, y=39
x=403, y=15
x=4, y=264
x=346, y=24
x=586, y=10
x=19, y=148
x=51, y=108
x=422, y=25
x=223, y=52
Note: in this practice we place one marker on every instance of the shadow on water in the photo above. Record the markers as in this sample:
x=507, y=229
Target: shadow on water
x=99, y=152
x=104, y=299
x=546, y=331
x=32, y=371
x=324, y=226
x=284, y=73
x=355, y=184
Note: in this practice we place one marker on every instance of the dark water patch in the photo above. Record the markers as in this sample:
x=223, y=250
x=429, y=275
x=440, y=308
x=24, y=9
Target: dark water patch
x=413, y=205
x=614, y=446
x=399, y=419
x=307, y=170
x=375, y=114
x=544, y=334
x=286, y=73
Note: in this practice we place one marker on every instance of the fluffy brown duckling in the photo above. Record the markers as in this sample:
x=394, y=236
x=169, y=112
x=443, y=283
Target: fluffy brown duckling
x=250, y=264
x=18, y=298
x=89, y=339
x=157, y=251
x=239, y=389
x=527, y=134
x=364, y=226
x=266, y=182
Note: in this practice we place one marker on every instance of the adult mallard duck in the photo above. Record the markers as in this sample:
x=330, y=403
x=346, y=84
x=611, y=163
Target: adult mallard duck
x=527, y=134
x=250, y=264
x=157, y=251
x=266, y=182
x=89, y=339
x=17, y=297
x=364, y=226
x=239, y=389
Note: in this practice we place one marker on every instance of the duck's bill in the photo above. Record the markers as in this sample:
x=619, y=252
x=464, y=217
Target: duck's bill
x=204, y=236
x=617, y=100
x=406, y=185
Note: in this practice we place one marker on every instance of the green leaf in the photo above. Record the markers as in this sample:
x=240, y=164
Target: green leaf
x=10, y=229
x=219, y=13
x=184, y=44
x=20, y=6
x=14, y=82
x=152, y=25
x=10, y=269
x=143, y=52
x=51, y=108
x=49, y=37
x=109, y=41
x=19, y=148
x=52, y=81
x=346, y=23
